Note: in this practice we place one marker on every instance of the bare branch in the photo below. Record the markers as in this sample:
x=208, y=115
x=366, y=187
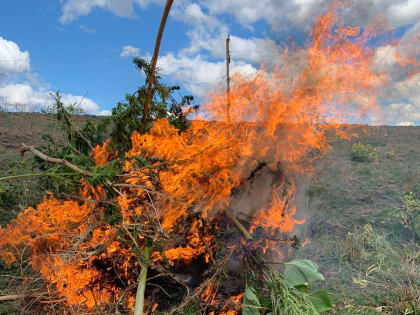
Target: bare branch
x=154, y=60
x=25, y=148
x=244, y=231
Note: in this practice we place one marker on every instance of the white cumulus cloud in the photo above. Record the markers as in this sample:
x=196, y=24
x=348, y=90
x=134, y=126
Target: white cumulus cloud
x=104, y=113
x=23, y=97
x=301, y=13
x=198, y=74
x=12, y=59
x=72, y=9
x=130, y=51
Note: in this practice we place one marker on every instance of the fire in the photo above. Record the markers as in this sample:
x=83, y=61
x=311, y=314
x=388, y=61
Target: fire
x=232, y=306
x=101, y=154
x=306, y=242
x=277, y=215
x=175, y=186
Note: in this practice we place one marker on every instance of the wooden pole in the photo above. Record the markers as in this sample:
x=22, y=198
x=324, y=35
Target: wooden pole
x=228, y=77
x=154, y=60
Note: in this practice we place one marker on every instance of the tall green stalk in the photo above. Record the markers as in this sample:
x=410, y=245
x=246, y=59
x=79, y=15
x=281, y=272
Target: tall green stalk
x=139, y=303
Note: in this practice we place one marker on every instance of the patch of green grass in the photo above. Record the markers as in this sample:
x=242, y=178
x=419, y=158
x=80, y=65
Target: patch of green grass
x=369, y=259
x=363, y=153
x=365, y=271
x=408, y=216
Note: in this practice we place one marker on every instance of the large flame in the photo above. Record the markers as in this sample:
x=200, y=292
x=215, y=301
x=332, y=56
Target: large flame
x=277, y=120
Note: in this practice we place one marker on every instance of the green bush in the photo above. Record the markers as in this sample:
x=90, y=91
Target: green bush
x=365, y=244
x=363, y=153
x=409, y=214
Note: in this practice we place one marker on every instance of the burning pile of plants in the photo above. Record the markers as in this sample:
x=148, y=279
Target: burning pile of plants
x=195, y=212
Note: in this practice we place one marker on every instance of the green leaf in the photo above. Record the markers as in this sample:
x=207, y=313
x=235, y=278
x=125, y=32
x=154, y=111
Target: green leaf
x=321, y=300
x=141, y=161
x=304, y=288
x=301, y=272
x=251, y=304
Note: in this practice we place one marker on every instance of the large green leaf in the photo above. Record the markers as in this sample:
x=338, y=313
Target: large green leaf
x=321, y=300
x=251, y=304
x=301, y=272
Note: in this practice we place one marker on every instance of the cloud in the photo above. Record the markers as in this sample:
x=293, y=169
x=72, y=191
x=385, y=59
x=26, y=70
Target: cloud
x=12, y=59
x=301, y=13
x=274, y=12
x=410, y=88
x=404, y=98
x=401, y=114
x=208, y=36
x=31, y=95
x=403, y=12
x=22, y=97
x=72, y=9
x=278, y=14
x=86, y=29
x=198, y=74
x=192, y=13
x=130, y=51
x=87, y=105
x=406, y=123
x=385, y=58
x=399, y=62
x=104, y=113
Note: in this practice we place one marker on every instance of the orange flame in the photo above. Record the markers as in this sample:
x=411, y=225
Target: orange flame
x=102, y=155
x=306, y=242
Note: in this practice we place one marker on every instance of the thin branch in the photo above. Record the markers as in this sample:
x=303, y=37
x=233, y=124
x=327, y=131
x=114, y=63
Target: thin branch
x=72, y=128
x=34, y=175
x=146, y=189
x=154, y=60
x=208, y=249
x=166, y=273
x=13, y=297
x=244, y=231
x=26, y=148
x=219, y=268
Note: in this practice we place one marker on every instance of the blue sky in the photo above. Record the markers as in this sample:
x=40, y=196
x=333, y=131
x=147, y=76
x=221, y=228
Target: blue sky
x=85, y=47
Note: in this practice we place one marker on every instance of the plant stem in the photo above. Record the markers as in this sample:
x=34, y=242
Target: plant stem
x=34, y=175
x=139, y=303
x=244, y=231
x=25, y=148
x=154, y=60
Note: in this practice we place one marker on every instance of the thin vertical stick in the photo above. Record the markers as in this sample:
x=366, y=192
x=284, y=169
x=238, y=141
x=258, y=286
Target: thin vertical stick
x=228, y=77
x=154, y=60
